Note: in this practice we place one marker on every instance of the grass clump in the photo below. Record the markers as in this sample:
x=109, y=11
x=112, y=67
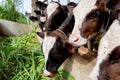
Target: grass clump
x=9, y=11
x=21, y=59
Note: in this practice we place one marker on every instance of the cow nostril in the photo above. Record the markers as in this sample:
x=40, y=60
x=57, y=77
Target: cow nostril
x=48, y=76
x=76, y=40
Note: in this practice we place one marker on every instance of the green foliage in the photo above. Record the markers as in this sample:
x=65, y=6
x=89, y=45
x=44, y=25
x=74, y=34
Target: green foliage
x=21, y=59
x=8, y=11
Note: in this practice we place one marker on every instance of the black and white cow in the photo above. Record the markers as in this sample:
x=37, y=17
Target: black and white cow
x=89, y=19
x=55, y=45
x=108, y=43
x=40, y=12
x=54, y=14
x=40, y=17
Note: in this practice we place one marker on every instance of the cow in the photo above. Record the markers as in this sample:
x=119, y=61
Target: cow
x=55, y=14
x=55, y=44
x=40, y=17
x=41, y=11
x=90, y=19
x=107, y=55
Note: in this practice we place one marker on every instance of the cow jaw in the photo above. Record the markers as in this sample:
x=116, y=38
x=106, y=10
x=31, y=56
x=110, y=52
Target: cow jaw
x=80, y=13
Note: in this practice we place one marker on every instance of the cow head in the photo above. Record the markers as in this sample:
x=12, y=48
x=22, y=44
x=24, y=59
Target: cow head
x=41, y=5
x=56, y=50
x=40, y=14
x=89, y=18
x=55, y=46
x=56, y=14
x=33, y=18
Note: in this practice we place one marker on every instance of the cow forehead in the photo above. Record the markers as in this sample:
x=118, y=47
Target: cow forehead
x=48, y=43
x=80, y=12
x=51, y=8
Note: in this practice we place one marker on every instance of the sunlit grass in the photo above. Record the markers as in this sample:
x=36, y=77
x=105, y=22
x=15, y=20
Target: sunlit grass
x=21, y=59
x=9, y=11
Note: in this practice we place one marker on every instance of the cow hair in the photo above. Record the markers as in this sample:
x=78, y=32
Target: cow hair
x=110, y=67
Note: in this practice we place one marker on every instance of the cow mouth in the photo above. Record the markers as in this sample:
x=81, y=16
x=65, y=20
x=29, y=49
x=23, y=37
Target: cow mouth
x=76, y=40
x=49, y=74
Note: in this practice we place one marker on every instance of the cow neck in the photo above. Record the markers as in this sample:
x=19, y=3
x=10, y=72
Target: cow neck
x=67, y=25
x=66, y=22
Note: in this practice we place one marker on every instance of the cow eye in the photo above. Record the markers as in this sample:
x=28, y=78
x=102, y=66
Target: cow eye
x=96, y=13
x=93, y=14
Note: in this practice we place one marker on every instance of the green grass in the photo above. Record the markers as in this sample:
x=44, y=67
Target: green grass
x=8, y=11
x=21, y=59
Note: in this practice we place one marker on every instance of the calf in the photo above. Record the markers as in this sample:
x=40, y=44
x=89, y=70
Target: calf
x=56, y=47
x=55, y=15
x=91, y=18
x=40, y=14
x=110, y=41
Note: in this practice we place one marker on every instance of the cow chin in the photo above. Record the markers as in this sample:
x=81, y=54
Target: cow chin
x=50, y=70
x=48, y=74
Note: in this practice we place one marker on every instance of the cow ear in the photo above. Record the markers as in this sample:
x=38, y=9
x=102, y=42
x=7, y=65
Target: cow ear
x=65, y=9
x=114, y=4
x=102, y=1
x=110, y=4
x=101, y=4
x=40, y=34
x=37, y=12
x=32, y=18
x=41, y=5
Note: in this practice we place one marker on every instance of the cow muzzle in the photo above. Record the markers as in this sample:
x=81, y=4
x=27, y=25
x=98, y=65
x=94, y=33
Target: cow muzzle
x=48, y=74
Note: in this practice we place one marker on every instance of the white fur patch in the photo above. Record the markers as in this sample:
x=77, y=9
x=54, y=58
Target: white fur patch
x=110, y=40
x=51, y=8
x=43, y=19
x=48, y=43
x=46, y=73
x=80, y=13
